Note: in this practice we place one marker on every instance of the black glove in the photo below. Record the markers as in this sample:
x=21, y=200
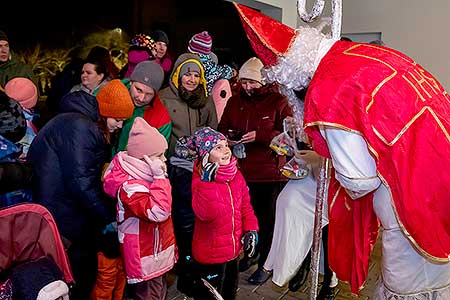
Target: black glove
x=250, y=240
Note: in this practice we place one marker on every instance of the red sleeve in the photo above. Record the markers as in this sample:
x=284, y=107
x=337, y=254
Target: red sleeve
x=151, y=202
x=204, y=199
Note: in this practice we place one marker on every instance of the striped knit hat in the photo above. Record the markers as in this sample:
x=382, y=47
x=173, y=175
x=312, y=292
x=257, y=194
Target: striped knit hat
x=200, y=43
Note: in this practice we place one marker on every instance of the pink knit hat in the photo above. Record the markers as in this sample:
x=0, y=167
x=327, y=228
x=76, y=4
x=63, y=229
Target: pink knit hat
x=200, y=43
x=145, y=140
x=23, y=90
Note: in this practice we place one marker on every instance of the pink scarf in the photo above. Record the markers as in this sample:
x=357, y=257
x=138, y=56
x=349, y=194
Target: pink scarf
x=227, y=172
x=136, y=168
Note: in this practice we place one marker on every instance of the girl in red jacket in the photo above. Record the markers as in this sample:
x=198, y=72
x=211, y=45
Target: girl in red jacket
x=137, y=178
x=224, y=217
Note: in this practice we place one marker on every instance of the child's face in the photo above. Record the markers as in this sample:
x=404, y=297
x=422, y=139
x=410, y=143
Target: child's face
x=159, y=156
x=113, y=124
x=220, y=154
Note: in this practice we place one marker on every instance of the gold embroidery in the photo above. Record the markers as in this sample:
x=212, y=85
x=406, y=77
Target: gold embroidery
x=335, y=197
x=418, y=76
x=405, y=232
x=339, y=126
x=425, y=108
x=378, y=87
x=347, y=206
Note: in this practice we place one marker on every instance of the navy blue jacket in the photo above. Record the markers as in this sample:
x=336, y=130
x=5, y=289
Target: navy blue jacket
x=67, y=156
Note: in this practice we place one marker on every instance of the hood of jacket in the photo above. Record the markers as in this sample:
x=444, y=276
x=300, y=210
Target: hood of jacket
x=114, y=177
x=181, y=60
x=80, y=102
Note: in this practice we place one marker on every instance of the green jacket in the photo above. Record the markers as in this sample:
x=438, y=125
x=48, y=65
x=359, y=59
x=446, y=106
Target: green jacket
x=12, y=69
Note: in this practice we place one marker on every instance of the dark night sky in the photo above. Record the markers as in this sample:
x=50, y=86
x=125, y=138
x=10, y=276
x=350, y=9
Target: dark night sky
x=63, y=25
x=49, y=23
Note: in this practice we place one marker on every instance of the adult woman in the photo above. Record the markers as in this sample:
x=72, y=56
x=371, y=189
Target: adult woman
x=67, y=157
x=187, y=100
x=98, y=69
x=190, y=108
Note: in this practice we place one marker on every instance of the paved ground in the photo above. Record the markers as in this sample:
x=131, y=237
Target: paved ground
x=269, y=291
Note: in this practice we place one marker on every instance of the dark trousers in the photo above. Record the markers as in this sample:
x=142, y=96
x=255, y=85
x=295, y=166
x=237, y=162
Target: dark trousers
x=328, y=273
x=223, y=277
x=263, y=197
x=153, y=289
x=83, y=261
x=183, y=219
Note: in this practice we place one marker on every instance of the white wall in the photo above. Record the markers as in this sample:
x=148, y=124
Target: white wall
x=418, y=28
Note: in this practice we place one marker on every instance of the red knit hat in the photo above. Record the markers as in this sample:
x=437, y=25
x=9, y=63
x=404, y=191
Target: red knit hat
x=23, y=90
x=145, y=140
x=200, y=43
x=114, y=100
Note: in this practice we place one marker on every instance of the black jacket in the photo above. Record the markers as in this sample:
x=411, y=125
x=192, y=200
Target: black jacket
x=67, y=156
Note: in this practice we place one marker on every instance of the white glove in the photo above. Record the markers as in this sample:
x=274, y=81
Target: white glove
x=157, y=166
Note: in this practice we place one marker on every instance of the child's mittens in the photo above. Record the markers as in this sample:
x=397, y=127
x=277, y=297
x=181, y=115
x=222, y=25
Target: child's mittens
x=208, y=171
x=250, y=239
x=157, y=166
x=111, y=227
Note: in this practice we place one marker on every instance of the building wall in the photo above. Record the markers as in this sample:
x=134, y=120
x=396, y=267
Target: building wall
x=415, y=27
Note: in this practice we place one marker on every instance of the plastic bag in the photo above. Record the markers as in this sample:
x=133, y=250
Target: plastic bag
x=293, y=170
x=283, y=144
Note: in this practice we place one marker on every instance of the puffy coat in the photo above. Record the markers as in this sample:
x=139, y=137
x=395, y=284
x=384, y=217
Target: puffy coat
x=67, y=158
x=223, y=214
x=263, y=112
x=145, y=224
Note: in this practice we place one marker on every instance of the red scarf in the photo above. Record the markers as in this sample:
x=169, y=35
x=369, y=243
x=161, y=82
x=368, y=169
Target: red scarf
x=227, y=172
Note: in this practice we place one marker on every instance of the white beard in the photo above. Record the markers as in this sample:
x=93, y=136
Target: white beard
x=295, y=70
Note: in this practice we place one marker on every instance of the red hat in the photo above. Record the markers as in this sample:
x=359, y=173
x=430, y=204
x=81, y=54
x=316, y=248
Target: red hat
x=268, y=37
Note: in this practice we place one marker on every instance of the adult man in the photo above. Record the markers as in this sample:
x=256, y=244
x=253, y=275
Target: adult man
x=10, y=67
x=383, y=120
x=251, y=119
x=144, y=84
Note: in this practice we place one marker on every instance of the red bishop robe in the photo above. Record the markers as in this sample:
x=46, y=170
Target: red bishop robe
x=403, y=113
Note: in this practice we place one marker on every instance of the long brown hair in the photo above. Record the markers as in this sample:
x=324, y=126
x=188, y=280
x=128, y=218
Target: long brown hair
x=102, y=125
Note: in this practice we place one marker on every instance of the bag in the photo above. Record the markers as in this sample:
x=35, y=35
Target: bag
x=294, y=170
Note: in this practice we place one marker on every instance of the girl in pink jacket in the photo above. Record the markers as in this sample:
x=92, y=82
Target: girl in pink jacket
x=137, y=177
x=224, y=217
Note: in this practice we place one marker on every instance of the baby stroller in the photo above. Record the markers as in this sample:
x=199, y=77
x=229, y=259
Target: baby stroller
x=33, y=262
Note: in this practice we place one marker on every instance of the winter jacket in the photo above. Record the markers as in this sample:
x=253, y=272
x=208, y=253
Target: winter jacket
x=31, y=132
x=13, y=68
x=155, y=114
x=214, y=71
x=263, y=112
x=145, y=224
x=67, y=158
x=185, y=120
x=81, y=87
x=15, y=175
x=223, y=214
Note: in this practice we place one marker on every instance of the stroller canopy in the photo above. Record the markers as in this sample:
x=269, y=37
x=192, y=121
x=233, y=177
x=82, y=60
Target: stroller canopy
x=28, y=232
